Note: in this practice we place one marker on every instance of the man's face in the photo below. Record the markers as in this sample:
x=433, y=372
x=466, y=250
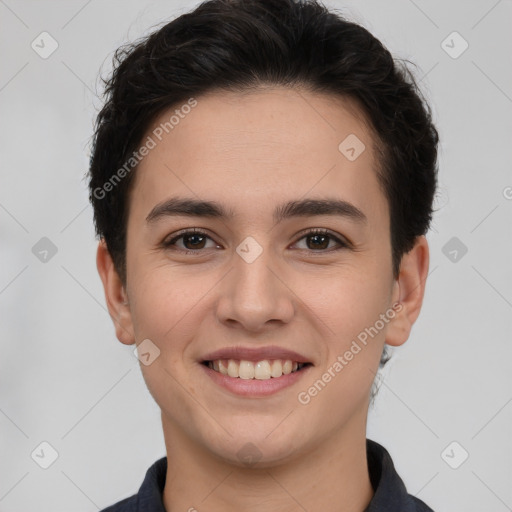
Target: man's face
x=256, y=286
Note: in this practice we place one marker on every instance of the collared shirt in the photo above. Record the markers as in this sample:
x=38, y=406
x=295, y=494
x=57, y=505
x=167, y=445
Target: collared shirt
x=390, y=493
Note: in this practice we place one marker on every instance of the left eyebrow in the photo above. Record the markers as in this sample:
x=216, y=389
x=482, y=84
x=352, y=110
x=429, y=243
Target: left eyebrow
x=191, y=207
x=312, y=207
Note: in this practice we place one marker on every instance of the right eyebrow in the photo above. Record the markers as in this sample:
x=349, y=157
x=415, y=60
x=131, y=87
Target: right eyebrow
x=189, y=207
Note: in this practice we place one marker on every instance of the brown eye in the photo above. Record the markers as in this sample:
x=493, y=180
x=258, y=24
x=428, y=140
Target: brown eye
x=194, y=241
x=320, y=240
x=190, y=242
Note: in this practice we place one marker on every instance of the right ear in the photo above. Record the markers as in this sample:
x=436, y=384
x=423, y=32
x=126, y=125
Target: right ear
x=115, y=295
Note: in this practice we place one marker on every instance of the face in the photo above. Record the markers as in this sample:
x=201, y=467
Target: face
x=261, y=281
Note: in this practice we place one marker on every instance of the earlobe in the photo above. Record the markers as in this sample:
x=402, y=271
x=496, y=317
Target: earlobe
x=409, y=292
x=115, y=295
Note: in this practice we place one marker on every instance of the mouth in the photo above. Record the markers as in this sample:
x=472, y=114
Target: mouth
x=260, y=370
x=255, y=372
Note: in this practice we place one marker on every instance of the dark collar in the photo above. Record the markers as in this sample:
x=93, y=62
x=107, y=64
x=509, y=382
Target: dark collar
x=390, y=493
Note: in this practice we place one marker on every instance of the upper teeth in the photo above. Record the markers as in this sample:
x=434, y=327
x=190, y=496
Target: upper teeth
x=261, y=370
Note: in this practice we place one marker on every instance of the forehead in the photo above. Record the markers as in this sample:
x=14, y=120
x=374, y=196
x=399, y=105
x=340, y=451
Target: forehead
x=260, y=145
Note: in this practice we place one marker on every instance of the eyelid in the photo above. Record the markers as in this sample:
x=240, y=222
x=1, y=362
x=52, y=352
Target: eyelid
x=343, y=242
x=171, y=239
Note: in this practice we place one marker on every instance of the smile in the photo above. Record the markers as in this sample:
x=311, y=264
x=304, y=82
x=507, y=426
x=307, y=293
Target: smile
x=260, y=370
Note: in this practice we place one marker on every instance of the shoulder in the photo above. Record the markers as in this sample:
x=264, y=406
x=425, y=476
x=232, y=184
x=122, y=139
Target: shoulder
x=420, y=506
x=150, y=492
x=390, y=492
x=126, y=505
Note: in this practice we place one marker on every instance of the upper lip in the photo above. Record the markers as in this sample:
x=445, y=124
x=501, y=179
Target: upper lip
x=255, y=354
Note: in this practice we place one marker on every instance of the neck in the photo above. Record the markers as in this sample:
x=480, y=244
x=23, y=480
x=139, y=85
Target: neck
x=332, y=477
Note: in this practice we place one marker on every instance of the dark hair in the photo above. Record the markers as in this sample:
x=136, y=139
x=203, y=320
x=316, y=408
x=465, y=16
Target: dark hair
x=237, y=45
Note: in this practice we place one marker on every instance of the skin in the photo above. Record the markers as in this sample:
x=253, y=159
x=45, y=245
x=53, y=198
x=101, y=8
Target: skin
x=250, y=152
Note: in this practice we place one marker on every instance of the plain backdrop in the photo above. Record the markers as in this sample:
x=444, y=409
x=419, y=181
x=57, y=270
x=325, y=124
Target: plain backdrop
x=66, y=380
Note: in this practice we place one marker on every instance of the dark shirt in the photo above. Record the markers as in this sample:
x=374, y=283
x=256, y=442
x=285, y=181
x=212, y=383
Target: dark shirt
x=390, y=493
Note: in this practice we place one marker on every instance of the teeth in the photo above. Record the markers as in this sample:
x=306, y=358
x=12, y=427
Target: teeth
x=262, y=370
x=223, y=367
x=277, y=369
x=233, y=368
x=246, y=370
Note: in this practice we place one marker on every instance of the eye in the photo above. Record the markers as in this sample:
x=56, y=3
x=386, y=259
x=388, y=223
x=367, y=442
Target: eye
x=320, y=240
x=190, y=241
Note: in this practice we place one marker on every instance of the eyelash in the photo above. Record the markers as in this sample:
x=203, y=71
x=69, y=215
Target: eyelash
x=312, y=232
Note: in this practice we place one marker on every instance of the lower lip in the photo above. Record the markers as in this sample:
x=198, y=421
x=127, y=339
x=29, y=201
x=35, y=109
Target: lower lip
x=254, y=387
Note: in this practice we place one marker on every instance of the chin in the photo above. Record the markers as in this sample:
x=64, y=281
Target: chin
x=257, y=449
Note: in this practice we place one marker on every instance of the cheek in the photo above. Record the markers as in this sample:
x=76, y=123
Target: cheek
x=347, y=302
x=166, y=311
x=351, y=308
x=171, y=307
x=161, y=304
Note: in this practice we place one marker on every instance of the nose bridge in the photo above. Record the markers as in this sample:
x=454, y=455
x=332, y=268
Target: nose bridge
x=253, y=294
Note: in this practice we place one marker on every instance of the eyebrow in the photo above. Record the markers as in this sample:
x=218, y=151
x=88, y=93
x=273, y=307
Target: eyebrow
x=178, y=206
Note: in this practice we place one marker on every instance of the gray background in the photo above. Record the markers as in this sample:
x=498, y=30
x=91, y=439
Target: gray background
x=66, y=380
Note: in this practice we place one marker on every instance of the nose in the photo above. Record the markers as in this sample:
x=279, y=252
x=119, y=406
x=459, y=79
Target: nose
x=254, y=295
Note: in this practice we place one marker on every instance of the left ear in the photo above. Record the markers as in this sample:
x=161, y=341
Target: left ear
x=409, y=289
